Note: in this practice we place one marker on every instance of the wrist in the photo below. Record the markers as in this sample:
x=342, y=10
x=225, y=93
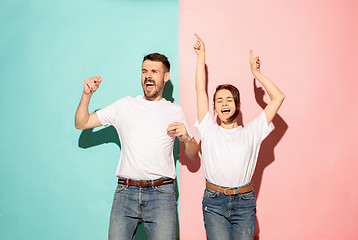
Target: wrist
x=201, y=55
x=186, y=139
x=257, y=74
x=87, y=94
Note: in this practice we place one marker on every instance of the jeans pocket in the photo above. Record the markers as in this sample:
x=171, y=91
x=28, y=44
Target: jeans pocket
x=120, y=187
x=166, y=188
x=208, y=193
x=248, y=196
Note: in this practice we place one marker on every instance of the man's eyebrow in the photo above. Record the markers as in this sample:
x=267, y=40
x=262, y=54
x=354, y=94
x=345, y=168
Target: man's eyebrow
x=150, y=69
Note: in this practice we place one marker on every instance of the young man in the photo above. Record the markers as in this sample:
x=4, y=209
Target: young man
x=147, y=126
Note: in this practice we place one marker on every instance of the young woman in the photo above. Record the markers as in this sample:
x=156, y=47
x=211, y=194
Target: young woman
x=229, y=153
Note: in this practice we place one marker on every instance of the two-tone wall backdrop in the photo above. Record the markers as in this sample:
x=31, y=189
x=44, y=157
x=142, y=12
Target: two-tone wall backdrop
x=57, y=182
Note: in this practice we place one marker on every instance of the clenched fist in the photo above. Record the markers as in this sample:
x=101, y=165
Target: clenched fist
x=91, y=84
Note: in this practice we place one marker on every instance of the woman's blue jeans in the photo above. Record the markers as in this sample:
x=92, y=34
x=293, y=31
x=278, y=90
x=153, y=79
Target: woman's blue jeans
x=154, y=206
x=229, y=217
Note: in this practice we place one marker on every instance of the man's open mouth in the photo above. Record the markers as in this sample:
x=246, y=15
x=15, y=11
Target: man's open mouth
x=149, y=85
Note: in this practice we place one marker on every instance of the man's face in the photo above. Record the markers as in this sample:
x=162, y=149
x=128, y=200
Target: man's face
x=153, y=79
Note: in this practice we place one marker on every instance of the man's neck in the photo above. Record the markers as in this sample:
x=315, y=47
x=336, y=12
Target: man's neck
x=158, y=98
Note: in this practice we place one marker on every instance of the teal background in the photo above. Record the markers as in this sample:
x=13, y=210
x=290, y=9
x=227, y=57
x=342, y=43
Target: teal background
x=51, y=188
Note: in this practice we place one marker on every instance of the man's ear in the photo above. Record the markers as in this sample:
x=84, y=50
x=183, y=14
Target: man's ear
x=167, y=76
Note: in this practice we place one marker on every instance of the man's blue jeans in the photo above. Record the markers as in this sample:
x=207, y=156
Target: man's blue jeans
x=154, y=206
x=229, y=217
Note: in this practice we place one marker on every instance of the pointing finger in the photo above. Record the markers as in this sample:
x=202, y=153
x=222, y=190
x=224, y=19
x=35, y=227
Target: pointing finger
x=197, y=37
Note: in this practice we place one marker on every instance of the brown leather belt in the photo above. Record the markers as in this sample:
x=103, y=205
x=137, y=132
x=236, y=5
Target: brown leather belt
x=147, y=183
x=229, y=191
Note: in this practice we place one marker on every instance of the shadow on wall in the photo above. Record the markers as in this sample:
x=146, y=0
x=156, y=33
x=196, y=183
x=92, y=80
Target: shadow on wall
x=90, y=138
x=266, y=154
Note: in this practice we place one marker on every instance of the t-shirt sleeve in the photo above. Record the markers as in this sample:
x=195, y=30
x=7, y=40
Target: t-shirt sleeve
x=206, y=125
x=109, y=114
x=257, y=130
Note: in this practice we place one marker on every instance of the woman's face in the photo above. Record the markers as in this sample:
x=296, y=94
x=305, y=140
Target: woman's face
x=224, y=105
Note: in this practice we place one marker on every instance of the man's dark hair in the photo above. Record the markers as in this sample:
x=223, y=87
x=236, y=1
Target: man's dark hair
x=236, y=96
x=157, y=57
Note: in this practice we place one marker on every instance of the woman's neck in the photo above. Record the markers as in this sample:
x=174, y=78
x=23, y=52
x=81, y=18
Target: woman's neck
x=229, y=125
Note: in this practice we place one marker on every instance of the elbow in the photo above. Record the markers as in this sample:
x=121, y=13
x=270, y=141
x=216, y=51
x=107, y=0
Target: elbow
x=282, y=97
x=79, y=127
x=278, y=99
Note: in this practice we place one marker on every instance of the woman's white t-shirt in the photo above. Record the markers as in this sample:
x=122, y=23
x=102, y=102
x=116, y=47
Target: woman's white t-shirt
x=229, y=155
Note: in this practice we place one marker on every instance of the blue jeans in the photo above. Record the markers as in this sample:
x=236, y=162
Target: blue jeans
x=154, y=206
x=229, y=216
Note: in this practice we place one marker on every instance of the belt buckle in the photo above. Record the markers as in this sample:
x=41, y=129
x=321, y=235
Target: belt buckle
x=141, y=184
x=233, y=191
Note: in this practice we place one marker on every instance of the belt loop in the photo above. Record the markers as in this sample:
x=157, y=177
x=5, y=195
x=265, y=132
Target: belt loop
x=152, y=183
x=127, y=180
x=219, y=189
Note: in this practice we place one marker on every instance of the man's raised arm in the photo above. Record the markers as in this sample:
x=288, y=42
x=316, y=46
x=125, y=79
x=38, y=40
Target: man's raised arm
x=84, y=120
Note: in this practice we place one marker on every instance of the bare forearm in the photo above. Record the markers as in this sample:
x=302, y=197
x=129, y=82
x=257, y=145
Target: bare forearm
x=200, y=82
x=275, y=94
x=82, y=114
x=190, y=148
x=273, y=91
x=200, y=73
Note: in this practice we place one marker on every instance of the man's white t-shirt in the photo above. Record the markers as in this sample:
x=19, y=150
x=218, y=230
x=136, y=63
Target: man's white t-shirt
x=146, y=147
x=230, y=155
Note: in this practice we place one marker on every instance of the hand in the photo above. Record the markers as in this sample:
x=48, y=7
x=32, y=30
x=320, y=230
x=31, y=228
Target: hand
x=255, y=64
x=179, y=130
x=91, y=84
x=199, y=46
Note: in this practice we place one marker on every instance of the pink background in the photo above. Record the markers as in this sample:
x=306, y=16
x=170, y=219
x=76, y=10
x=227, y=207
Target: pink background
x=307, y=169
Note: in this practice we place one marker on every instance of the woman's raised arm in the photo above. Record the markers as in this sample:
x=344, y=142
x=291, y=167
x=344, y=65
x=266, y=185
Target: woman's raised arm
x=200, y=82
